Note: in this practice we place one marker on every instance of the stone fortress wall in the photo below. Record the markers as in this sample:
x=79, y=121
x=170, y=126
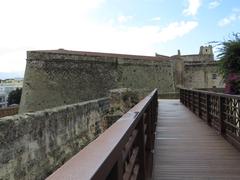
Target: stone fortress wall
x=59, y=77
x=33, y=145
x=54, y=78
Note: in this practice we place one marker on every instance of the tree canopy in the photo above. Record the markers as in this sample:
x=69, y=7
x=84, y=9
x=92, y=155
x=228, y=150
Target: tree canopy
x=229, y=64
x=14, y=97
x=230, y=56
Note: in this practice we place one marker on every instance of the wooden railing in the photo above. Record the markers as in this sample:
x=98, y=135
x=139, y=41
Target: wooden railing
x=221, y=111
x=124, y=151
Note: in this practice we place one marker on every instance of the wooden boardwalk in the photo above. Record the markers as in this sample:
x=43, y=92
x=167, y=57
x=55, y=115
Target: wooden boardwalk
x=187, y=148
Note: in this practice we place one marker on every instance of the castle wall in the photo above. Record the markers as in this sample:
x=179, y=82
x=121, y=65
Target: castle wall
x=201, y=75
x=147, y=75
x=35, y=144
x=197, y=57
x=54, y=78
x=58, y=77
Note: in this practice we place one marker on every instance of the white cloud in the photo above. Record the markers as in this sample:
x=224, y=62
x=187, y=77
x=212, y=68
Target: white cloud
x=230, y=18
x=227, y=20
x=32, y=26
x=39, y=24
x=156, y=19
x=192, y=9
x=12, y=62
x=214, y=4
x=124, y=19
x=176, y=29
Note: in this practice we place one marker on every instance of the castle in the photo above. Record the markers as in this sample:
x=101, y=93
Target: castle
x=198, y=70
x=67, y=95
x=59, y=77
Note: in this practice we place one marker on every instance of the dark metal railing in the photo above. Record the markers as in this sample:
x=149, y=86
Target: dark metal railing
x=124, y=151
x=221, y=111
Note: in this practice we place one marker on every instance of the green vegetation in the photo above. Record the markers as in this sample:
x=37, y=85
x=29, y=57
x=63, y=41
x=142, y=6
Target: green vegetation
x=229, y=64
x=230, y=56
x=14, y=97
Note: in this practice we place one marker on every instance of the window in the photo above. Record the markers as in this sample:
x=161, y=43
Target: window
x=214, y=76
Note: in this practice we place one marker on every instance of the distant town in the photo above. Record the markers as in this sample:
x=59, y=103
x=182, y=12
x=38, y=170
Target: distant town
x=6, y=87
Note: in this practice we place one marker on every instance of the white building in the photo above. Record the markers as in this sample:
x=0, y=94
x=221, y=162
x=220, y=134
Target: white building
x=3, y=100
x=6, y=86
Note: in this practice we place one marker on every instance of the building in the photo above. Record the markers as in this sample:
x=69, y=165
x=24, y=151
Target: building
x=6, y=86
x=3, y=100
x=58, y=77
x=197, y=71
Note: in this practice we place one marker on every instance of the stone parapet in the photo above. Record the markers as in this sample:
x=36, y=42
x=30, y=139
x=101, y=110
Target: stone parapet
x=32, y=145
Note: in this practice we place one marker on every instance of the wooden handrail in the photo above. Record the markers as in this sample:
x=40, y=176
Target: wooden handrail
x=123, y=151
x=212, y=93
x=220, y=111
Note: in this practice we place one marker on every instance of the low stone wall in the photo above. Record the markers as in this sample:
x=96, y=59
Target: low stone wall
x=33, y=145
x=121, y=100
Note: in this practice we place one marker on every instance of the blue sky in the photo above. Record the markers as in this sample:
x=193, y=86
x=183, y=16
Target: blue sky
x=117, y=26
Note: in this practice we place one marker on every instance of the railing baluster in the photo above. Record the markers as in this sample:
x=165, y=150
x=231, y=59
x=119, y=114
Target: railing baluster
x=117, y=171
x=151, y=142
x=208, y=110
x=222, y=114
x=142, y=155
x=199, y=105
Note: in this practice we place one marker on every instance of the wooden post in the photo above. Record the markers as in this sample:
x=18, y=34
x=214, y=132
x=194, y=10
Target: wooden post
x=199, y=105
x=208, y=110
x=142, y=156
x=191, y=92
x=117, y=170
x=221, y=115
x=151, y=143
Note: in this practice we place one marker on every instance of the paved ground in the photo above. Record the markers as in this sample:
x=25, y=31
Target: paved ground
x=187, y=148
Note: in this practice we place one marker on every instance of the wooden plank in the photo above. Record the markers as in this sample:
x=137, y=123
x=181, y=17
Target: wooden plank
x=187, y=148
x=129, y=168
x=129, y=144
x=135, y=172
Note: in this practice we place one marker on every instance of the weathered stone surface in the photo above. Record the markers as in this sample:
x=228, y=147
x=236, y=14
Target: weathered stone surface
x=197, y=70
x=54, y=78
x=121, y=100
x=202, y=75
x=59, y=77
x=32, y=145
